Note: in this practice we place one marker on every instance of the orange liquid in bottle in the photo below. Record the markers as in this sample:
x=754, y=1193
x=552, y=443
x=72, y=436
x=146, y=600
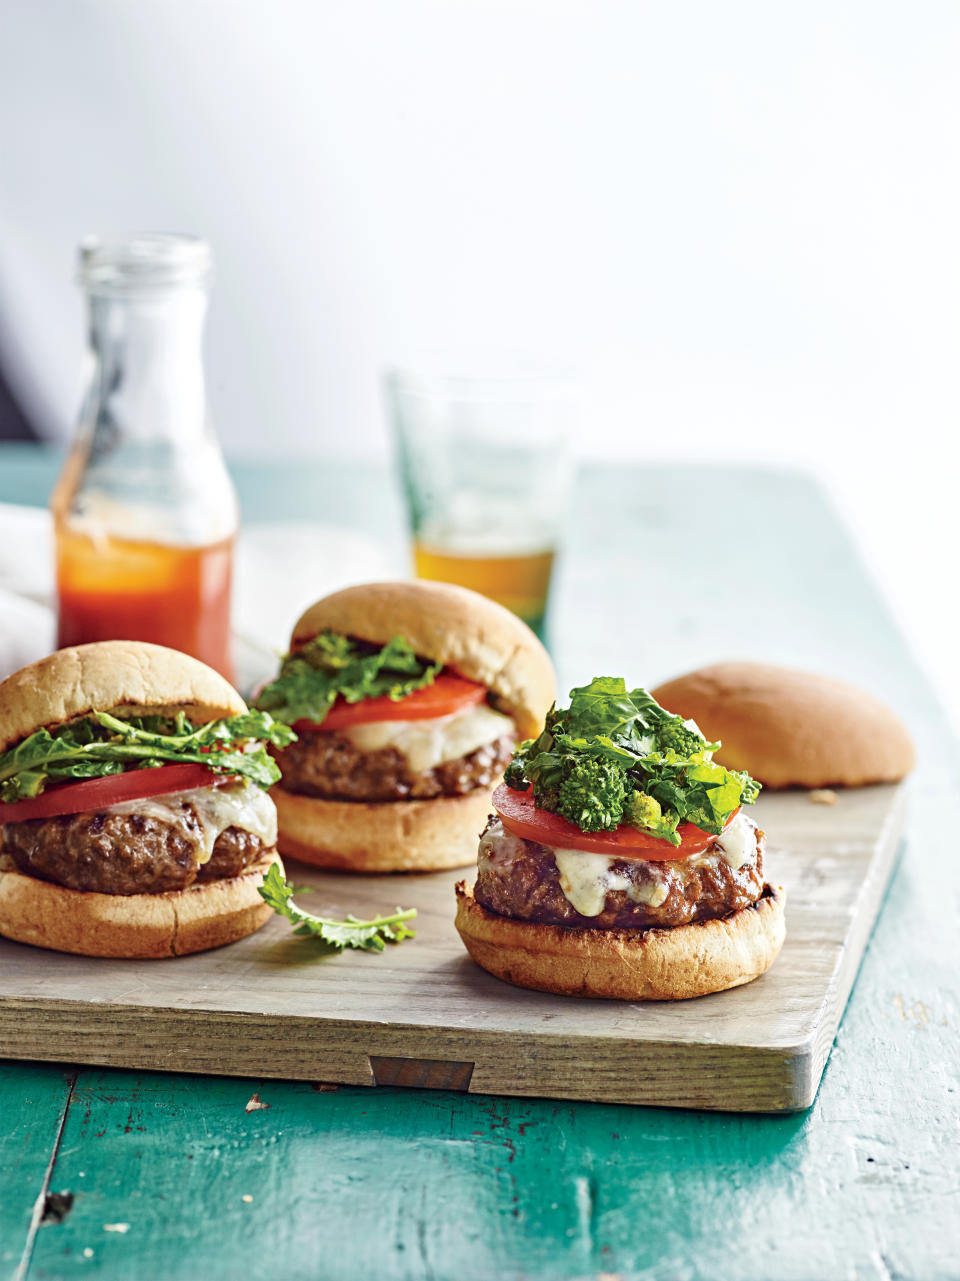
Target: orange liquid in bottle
x=519, y=580
x=122, y=589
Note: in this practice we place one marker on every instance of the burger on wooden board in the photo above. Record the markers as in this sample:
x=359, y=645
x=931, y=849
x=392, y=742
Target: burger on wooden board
x=619, y=860
x=792, y=728
x=134, y=814
x=407, y=699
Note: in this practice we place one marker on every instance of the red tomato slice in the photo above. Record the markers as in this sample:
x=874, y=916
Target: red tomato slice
x=447, y=694
x=98, y=793
x=521, y=816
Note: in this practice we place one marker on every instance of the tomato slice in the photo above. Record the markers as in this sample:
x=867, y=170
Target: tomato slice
x=98, y=793
x=521, y=816
x=448, y=694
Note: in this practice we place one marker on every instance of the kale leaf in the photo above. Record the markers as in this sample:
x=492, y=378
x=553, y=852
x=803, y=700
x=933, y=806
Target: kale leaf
x=311, y=678
x=368, y=936
x=604, y=707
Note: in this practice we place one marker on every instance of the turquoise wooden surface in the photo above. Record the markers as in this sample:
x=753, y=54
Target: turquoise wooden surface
x=34, y=1102
x=667, y=567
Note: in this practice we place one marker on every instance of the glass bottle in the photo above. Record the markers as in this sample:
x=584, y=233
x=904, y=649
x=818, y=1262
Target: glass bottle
x=144, y=511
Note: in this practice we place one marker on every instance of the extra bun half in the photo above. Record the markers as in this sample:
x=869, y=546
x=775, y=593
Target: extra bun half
x=651, y=965
x=136, y=926
x=381, y=836
x=468, y=633
x=792, y=728
x=111, y=676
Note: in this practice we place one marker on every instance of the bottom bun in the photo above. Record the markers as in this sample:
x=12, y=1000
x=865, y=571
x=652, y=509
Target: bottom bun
x=382, y=836
x=649, y=965
x=136, y=926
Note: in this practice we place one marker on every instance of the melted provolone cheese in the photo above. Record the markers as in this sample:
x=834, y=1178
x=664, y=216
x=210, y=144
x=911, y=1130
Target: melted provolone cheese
x=738, y=844
x=202, y=815
x=587, y=878
x=500, y=847
x=431, y=742
x=653, y=893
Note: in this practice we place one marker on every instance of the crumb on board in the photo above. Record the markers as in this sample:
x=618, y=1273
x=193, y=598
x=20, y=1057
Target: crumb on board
x=246, y=1197
x=255, y=1104
x=116, y=1227
x=823, y=796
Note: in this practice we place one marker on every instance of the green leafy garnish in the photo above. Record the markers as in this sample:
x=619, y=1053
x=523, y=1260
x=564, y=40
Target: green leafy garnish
x=100, y=744
x=311, y=678
x=615, y=756
x=368, y=936
x=592, y=792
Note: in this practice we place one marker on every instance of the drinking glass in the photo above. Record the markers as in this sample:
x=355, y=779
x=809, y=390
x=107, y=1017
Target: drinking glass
x=486, y=468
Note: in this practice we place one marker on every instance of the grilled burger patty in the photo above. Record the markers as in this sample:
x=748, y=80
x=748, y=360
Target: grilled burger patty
x=325, y=763
x=521, y=879
x=122, y=853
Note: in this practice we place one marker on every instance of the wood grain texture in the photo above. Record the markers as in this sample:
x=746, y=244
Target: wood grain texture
x=420, y=1184
x=272, y=1006
x=33, y=1103
x=403, y=1184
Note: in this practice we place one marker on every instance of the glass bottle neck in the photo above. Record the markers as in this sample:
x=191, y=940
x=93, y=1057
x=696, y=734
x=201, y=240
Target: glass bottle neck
x=146, y=464
x=147, y=363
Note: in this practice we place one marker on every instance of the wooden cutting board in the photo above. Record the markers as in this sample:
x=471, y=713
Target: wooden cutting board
x=422, y=1014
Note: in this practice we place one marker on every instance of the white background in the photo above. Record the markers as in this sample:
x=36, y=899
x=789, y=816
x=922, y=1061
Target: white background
x=738, y=221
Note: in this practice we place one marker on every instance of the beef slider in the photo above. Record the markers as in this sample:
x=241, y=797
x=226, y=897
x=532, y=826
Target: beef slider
x=126, y=884
x=369, y=811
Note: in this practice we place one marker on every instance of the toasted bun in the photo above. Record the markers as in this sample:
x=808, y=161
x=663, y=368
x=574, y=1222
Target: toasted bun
x=385, y=836
x=790, y=728
x=461, y=629
x=111, y=676
x=628, y=965
x=141, y=926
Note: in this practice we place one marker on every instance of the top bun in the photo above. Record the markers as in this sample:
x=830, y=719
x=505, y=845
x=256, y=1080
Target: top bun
x=465, y=631
x=111, y=676
x=790, y=728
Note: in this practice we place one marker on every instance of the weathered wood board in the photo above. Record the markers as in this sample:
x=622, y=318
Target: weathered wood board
x=422, y=1014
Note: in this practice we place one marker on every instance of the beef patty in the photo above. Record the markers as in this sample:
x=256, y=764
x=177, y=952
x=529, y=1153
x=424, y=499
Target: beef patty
x=325, y=763
x=122, y=853
x=520, y=879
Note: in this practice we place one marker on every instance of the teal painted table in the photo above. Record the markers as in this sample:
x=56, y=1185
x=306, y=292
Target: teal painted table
x=171, y=1177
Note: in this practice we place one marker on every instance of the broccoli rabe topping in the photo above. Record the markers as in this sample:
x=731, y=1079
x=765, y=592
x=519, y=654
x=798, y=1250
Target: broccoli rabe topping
x=617, y=757
x=646, y=813
x=331, y=666
x=592, y=793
